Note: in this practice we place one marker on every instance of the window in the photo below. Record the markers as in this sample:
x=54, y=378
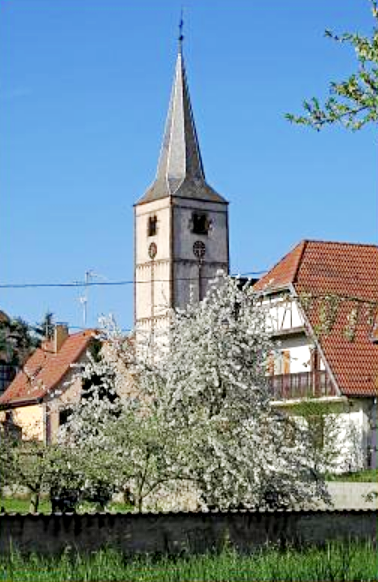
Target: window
x=282, y=362
x=64, y=415
x=7, y=373
x=278, y=363
x=286, y=361
x=200, y=223
x=9, y=416
x=152, y=225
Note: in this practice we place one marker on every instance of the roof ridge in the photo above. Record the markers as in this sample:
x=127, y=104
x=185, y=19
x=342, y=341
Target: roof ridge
x=281, y=260
x=49, y=367
x=299, y=260
x=83, y=332
x=336, y=242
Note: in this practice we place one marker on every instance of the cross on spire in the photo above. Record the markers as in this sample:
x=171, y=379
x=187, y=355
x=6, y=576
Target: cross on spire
x=181, y=27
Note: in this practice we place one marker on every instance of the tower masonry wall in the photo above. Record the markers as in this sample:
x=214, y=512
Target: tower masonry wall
x=160, y=209
x=216, y=240
x=152, y=273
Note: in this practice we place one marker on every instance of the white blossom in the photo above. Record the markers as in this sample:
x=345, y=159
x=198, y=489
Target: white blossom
x=185, y=422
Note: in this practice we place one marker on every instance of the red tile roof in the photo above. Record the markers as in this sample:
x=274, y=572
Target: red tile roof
x=45, y=370
x=283, y=272
x=349, y=271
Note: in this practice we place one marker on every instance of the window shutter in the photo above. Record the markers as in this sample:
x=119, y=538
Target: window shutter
x=286, y=361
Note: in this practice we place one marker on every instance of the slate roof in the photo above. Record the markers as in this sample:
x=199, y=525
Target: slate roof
x=45, y=370
x=180, y=171
x=350, y=272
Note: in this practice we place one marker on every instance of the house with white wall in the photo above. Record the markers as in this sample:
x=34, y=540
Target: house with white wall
x=322, y=302
x=37, y=401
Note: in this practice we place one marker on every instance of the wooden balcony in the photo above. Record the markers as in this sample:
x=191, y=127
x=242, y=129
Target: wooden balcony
x=314, y=384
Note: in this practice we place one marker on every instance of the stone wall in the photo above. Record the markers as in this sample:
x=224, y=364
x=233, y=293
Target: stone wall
x=181, y=532
x=346, y=495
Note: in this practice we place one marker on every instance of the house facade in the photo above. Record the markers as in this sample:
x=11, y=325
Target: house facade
x=321, y=300
x=37, y=401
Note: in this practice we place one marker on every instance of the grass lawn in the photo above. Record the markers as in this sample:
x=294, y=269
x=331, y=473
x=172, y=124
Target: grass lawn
x=22, y=505
x=368, y=476
x=12, y=504
x=336, y=562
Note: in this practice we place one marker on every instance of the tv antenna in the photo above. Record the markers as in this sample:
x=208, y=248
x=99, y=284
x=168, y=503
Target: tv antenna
x=89, y=277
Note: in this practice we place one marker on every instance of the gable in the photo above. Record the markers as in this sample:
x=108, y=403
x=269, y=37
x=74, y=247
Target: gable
x=342, y=277
x=46, y=369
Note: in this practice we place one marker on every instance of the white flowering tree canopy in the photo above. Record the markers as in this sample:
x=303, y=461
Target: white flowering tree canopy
x=192, y=425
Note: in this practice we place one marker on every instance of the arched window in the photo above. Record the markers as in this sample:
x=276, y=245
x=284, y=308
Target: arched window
x=152, y=225
x=200, y=223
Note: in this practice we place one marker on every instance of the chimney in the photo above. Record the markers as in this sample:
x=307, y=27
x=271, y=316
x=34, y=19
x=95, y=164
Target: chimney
x=60, y=335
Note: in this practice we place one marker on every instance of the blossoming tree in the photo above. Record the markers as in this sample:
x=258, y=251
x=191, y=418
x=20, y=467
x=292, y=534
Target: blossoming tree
x=194, y=426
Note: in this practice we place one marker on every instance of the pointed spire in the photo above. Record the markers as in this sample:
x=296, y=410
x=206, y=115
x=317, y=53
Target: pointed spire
x=180, y=170
x=180, y=155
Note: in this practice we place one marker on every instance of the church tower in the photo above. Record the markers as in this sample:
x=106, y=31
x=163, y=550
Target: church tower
x=181, y=223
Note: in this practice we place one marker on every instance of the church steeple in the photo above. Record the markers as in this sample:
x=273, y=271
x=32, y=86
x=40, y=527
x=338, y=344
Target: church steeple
x=181, y=223
x=180, y=155
x=180, y=169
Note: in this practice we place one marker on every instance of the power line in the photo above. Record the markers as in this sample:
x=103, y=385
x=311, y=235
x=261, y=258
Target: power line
x=81, y=328
x=79, y=284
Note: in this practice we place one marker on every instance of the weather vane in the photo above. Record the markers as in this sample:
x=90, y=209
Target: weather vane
x=181, y=26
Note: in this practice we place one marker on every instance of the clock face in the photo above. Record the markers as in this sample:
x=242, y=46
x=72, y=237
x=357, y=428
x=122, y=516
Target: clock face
x=152, y=250
x=199, y=249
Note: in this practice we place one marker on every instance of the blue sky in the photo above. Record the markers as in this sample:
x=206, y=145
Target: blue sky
x=84, y=90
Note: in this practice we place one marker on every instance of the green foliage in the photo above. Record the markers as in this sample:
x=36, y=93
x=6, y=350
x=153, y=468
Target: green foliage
x=353, y=102
x=17, y=341
x=332, y=439
x=337, y=562
x=22, y=505
x=38, y=467
x=45, y=328
x=367, y=476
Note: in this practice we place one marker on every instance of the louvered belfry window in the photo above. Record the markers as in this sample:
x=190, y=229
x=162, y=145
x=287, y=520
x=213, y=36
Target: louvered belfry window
x=200, y=223
x=152, y=225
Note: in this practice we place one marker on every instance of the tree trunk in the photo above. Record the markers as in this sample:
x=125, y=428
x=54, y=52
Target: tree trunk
x=34, y=501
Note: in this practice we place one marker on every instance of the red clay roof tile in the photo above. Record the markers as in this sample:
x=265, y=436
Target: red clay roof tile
x=45, y=369
x=283, y=273
x=349, y=271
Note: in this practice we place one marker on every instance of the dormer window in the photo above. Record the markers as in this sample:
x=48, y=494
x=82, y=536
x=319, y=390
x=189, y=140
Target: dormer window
x=200, y=223
x=152, y=225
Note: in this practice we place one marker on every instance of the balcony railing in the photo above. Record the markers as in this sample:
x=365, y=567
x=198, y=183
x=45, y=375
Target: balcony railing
x=301, y=385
